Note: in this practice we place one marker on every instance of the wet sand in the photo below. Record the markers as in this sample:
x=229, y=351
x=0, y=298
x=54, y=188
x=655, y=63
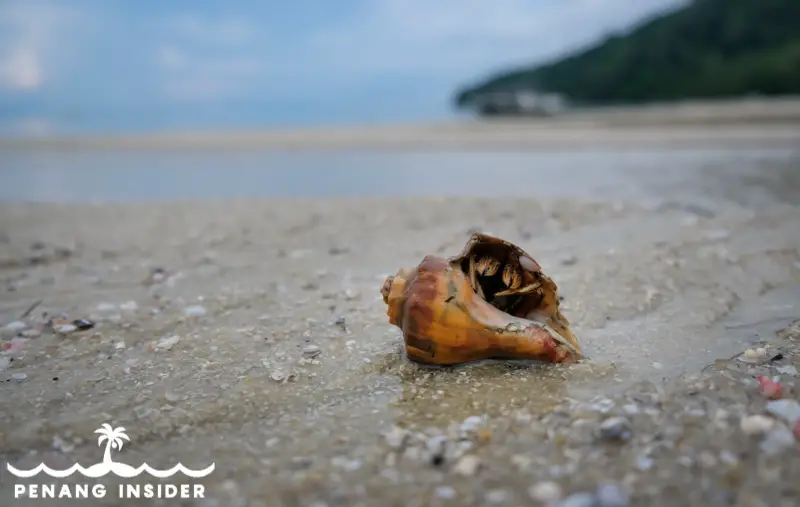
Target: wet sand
x=653, y=292
x=491, y=136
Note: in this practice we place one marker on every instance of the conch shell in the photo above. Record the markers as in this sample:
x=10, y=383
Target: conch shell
x=490, y=301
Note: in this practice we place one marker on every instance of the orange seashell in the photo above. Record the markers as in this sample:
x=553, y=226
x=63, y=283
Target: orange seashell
x=490, y=301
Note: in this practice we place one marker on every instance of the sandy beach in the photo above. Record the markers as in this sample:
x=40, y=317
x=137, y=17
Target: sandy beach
x=250, y=333
x=741, y=123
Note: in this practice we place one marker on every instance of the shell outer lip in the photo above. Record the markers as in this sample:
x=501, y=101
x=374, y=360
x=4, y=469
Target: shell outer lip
x=557, y=337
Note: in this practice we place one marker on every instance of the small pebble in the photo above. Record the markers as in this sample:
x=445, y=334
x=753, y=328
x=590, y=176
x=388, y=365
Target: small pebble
x=787, y=370
x=31, y=333
x=65, y=328
x=279, y=376
x=129, y=306
x=472, y=423
x=612, y=495
x=707, y=460
x=194, y=311
x=546, y=492
x=396, y=437
x=468, y=465
x=106, y=308
x=158, y=275
x=756, y=424
x=58, y=444
x=168, y=343
x=13, y=328
x=347, y=464
x=602, y=405
x=311, y=351
x=579, y=500
x=436, y=447
x=717, y=234
x=788, y=410
x=631, y=409
x=19, y=377
x=569, y=260
x=728, y=458
x=496, y=496
x=778, y=440
x=644, y=463
x=522, y=462
x=615, y=428
x=752, y=356
x=445, y=493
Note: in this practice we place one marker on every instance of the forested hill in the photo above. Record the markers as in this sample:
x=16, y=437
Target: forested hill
x=710, y=48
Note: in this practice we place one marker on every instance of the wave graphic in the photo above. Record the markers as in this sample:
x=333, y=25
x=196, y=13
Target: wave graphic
x=118, y=469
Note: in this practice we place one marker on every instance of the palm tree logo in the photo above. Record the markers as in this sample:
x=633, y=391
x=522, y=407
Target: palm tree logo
x=113, y=438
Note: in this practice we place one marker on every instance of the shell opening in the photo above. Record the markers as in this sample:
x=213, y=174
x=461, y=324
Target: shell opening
x=494, y=270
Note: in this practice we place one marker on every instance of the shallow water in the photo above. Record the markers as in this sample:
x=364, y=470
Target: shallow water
x=701, y=176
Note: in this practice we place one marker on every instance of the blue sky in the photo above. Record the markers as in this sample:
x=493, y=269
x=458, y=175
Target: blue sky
x=113, y=65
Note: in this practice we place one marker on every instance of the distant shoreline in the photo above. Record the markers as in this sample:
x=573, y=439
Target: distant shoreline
x=725, y=123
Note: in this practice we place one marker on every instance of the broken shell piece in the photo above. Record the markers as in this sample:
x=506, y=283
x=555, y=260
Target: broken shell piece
x=490, y=301
x=83, y=324
x=754, y=356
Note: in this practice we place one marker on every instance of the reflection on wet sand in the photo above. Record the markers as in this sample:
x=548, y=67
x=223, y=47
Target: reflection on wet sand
x=438, y=395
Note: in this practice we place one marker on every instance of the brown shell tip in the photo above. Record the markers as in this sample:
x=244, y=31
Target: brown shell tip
x=386, y=288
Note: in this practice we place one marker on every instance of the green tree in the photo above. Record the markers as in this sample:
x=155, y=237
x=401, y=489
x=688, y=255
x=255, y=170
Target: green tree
x=710, y=48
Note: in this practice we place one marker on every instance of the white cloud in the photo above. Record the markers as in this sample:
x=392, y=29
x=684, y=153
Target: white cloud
x=21, y=68
x=31, y=34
